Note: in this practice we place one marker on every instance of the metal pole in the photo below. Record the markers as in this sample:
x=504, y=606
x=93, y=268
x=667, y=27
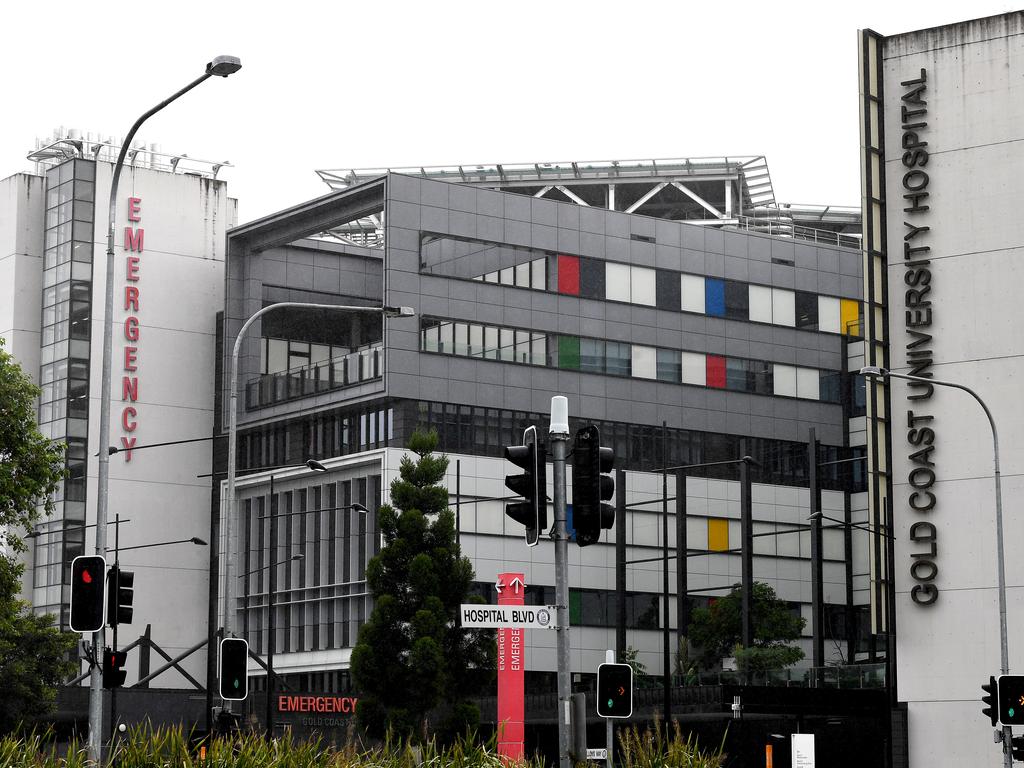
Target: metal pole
x=558, y=437
x=271, y=611
x=666, y=634
x=1004, y=653
x=113, y=640
x=747, y=536
x=620, y=563
x=682, y=576
x=609, y=738
x=103, y=471
x=817, y=575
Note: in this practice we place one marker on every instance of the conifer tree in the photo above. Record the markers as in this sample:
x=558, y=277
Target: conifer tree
x=412, y=658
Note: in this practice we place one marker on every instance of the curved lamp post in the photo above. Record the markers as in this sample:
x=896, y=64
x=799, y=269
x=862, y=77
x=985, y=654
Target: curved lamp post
x=221, y=66
x=229, y=516
x=1004, y=654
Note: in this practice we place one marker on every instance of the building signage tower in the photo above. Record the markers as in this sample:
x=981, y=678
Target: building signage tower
x=511, y=591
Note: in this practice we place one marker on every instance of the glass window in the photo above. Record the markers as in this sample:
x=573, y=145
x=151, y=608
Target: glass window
x=692, y=293
x=592, y=355
x=642, y=286
x=714, y=297
x=806, y=307
x=737, y=300
x=476, y=340
x=539, y=349
x=830, y=383
x=523, y=275
x=784, y=378
x=736, y=375
x=619, y=358
x=617, y=282
x=506, y=344
x=667, y=290
x=849, y=312
x=430, y=341
x=507, y=276
x=592, y=278
x=669, y=367
x=644, y=362
x=491, y=341
x=539, y=274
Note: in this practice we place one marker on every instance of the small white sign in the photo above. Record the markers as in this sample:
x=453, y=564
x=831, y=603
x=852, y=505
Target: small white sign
x=597, y=754
x=515, y=616
x=802, y=750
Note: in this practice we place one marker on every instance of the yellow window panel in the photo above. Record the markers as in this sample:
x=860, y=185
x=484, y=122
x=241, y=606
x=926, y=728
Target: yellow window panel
x=718, y=535
x=849, y=316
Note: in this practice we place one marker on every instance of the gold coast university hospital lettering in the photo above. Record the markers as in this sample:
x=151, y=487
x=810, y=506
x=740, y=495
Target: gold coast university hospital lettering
x=133, y=245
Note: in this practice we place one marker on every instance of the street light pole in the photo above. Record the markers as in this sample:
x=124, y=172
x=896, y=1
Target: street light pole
x=221, y=66
x=229, y=516
x=1004, y=653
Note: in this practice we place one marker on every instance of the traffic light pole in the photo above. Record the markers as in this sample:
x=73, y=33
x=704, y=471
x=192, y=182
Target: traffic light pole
x=559, y=437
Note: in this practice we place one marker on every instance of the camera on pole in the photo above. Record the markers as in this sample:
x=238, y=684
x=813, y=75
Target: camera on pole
x=531, y=485
x=87, y=593
x=591, y=486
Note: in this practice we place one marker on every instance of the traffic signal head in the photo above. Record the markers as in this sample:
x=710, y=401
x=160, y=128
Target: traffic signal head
x=87, y=593
x=615, y=690
x=591, y=486
x=1017, y=748
x=991, y=700
x=531, y=485
x=113, y=674
x=120, y=594
x=1010, y=690
x=233, y=672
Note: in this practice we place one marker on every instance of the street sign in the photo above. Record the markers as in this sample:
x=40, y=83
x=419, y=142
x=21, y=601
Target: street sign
x=597, y=754
x=474, y=616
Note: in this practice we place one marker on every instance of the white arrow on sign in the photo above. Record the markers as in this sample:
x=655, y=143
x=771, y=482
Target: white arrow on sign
x=476, y=616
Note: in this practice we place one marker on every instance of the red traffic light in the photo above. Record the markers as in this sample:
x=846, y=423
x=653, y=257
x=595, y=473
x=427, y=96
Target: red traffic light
x=87, y=593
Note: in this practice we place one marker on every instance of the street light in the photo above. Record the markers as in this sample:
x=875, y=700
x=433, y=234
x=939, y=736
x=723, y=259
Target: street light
x=221, y=66
x=1004, y=653
x=229, y=517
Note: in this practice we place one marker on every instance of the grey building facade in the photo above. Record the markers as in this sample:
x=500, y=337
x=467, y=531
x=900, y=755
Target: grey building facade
x=686, y=342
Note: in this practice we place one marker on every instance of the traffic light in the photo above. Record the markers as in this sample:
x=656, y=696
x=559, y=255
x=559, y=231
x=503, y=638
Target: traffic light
x=615, y=690
x=1017, y=748
x=991, y=699
x=113, y=674
x=119, y=596
x=1010, y=689
x=234, y=669
x=591, y=486
x=531, y=485
x=87, y=593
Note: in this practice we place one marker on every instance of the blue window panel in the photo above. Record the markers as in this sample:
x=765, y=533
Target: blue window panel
x=714, y=297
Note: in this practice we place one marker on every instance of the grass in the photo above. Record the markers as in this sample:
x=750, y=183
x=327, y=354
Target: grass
x=170, y=747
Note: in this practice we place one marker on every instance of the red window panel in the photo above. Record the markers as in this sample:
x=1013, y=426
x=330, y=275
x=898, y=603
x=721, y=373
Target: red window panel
x=569, y=274
x=716, y=371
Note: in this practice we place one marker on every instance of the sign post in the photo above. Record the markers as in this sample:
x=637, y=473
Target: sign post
x=511, y=730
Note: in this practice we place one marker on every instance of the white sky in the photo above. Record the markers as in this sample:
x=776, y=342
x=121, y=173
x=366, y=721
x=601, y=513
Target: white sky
x=374, y=84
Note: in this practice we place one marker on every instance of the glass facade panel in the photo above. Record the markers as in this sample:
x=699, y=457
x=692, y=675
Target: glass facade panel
x=829, y=315
x=617, y=282
x=693, y=293
x=643, y=288
x=644, y=362
x=714, y=297
x=669, y=366
x=592, y=278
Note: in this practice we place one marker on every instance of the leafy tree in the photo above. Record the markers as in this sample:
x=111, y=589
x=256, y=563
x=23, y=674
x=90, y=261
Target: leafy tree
x=412, y=656
x=31, y=466
x=32, y=650
x=33, y=654
x=717, y=630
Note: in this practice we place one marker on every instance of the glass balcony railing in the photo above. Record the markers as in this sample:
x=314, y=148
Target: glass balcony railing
x=326, y=376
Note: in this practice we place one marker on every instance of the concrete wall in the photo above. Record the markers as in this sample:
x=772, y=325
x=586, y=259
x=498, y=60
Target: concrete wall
x=975, y=113
x=22, y=200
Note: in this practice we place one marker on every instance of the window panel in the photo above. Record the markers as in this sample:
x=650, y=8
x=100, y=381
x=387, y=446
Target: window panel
x=592, y=355
x=849, y=316
x=783, y=307
x=718, y=534
x=737, y=300
x=507, y=276
x=806, y=305
x=714, y=297
x=642, y=286
x=522, y=346
x=446, y=338
x=694, y=368
x=523, y=275
x=569, y=275
x=539, y=274
x=828, y=314
x=736, y=375
x=760, y=299
x=476, y=340
x=539, y=349
x=430, y=340
x=715, y=371
x=807, y=384
x=618, y=358
x=617, y=286
x=592, y=278
x=569, y=352
x=691, y=288
x=829, y=386
x=667, y=290
x=491, y=342
x=506, y=344
x=644, y=362
x=669, y=368
x=784, y=377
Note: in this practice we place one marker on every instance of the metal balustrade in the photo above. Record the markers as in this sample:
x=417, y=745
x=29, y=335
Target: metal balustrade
x=328, y=375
